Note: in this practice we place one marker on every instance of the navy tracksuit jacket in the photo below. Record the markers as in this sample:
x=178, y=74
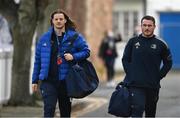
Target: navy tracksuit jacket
x=142, y=61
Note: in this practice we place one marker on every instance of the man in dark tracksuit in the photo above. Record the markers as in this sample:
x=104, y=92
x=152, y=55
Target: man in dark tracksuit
x=142, y=64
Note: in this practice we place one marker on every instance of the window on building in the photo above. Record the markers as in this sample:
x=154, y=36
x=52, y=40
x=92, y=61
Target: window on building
x=124, y=22
x=115, y=21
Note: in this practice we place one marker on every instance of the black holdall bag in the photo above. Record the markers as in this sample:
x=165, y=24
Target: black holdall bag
x=120, y=104
x=82, y=78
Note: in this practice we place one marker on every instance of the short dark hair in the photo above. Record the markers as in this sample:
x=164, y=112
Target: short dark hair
x=69, y=23
x=147, y=17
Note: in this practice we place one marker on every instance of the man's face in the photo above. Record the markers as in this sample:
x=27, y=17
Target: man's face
x=147, y=27
x=59, y=21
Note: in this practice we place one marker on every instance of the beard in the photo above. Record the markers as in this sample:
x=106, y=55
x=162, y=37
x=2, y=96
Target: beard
x=148, y=33
x=60, y=27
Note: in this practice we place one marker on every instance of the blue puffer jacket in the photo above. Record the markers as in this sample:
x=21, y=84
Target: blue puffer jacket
x=79, y=51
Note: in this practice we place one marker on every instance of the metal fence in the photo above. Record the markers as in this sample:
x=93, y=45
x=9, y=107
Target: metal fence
x=6, y=52
x=6, y=56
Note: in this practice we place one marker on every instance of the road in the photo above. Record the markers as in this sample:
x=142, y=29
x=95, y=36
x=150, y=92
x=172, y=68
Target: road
x=168, y=105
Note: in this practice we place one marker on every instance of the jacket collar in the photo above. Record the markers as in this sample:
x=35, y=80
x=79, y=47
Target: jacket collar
x=68, y=33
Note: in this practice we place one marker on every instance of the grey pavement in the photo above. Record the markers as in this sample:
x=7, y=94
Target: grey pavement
x=37, y=111
x=96, y=104
x=85, y=105
x=168, y=104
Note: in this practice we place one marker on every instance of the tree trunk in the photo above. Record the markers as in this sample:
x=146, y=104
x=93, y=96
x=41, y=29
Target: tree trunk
x=44, y=23
x=20, y=71
x=23, y=19
x=23, y=33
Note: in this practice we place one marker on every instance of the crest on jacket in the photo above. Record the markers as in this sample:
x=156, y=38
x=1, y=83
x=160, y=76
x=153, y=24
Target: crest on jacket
x=153, y=46
x=137, y=45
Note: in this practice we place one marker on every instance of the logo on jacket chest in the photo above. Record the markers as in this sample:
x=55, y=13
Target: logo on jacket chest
x=44, y=44
x=153, y=46
x=137, y=45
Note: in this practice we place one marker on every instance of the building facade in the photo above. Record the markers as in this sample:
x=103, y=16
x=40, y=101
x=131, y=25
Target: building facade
x=167, y=14
x=128, y=13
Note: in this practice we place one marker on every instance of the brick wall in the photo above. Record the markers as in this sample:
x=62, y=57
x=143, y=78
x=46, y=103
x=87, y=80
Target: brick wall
x=76, y=9
x=99, y=20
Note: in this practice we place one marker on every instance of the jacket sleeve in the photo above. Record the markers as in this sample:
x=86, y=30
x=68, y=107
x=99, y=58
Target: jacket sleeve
x=83, y=49
x=126, y=59
x=167, y=61
x=37, y=64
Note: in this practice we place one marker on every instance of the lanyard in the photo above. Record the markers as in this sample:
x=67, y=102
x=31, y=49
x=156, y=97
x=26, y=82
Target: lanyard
x=58, y=42
x=59, y=58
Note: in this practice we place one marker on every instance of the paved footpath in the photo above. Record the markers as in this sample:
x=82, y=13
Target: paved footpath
x=168, y=105
x=85, y=104
x=27, y=111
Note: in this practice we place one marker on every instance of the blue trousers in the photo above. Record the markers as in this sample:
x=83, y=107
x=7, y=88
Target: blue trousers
x=53, y=92
x=144, y=99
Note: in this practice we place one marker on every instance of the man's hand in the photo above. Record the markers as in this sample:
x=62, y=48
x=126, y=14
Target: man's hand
x=34, y=87
x=68, y=56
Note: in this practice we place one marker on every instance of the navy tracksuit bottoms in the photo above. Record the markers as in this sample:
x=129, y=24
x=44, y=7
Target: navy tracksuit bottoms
x=53, y=92
x=144, y=99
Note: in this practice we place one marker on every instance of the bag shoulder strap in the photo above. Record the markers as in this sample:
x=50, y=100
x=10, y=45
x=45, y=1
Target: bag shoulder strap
x=73, y=38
